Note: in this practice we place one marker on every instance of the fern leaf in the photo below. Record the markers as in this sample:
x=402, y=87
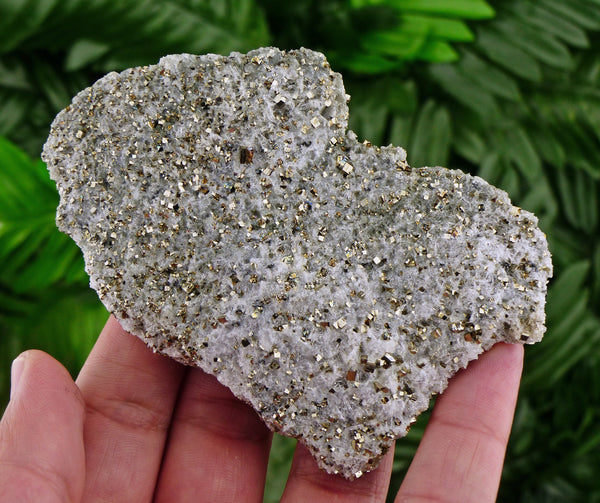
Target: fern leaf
x=549, y=147
x=13, y=110
x=430, y=139
x=584, y=14
x=572, y=329
x=466, y=9
x=403, y=45
x=521, y=151
x=504, y=53
x=437, y=51
x=424, y=32
x=364, y=63
x=490, y=78
x=462, y=89
x=541, y=201
x=550, y=22
x=454, y=30
x=160, y=27
x=19, y=18
x=85, y=52
x=539, y=44
x=470, y=144
x=579, y=200
x=33, y=253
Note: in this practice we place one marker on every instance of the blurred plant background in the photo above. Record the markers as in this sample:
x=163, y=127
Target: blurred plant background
x=505, y=89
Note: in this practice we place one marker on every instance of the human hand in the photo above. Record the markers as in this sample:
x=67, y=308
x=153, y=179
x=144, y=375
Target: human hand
x=138, y=427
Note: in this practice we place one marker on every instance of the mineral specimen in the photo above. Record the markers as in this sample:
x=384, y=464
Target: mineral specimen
x=229, y=219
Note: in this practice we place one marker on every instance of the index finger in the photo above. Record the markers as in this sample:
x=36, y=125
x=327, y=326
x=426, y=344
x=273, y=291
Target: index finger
x=129, y=393
x=462, y=452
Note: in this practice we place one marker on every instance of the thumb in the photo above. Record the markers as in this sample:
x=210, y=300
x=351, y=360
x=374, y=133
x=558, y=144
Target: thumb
x=41, y=434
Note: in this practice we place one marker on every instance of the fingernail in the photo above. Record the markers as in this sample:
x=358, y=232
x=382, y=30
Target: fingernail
x=16, y=370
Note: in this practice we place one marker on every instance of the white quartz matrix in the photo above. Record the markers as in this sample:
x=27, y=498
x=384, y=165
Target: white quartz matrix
x=230, y=220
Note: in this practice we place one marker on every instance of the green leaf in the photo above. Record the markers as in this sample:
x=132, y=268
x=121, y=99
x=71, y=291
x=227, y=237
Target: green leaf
x=506, y=54
x=572, y=329
x=13, y=306
x=399, y=44
x=400, y=130
x=548, y=146
x=590, y=444
x=363, y=63
x=491, y=168
x=435, y=51
x=566, y=245
x=19, y=18
x=280, y=460
x=13, y=109
x=139, y=32
x=579, y=199
x=399, y=94
x=373, y=107
x=466, y=9
x=572, y=318
x=550, y=22
x=65, y=321
x=537, y=43
x=422, y=34
x=430, y=142
x=438, y=27
x=584, y=14
x=541, y=201
x=21, y=179
x=521, y=151
x=52, y=84
x=368, y=119
x=13, y=74
x=571, y=342
x=581, y=148
x=84, y=52
x=596, y=274
x=464, y=90
x=33, y=253
x=566, y=290
x=50, y=266
x=586, y=197
x=470, y=144
x=489, y=77
x=510, y=182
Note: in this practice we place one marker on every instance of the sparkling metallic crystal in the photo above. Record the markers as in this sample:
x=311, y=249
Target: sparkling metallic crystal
x=230, y=220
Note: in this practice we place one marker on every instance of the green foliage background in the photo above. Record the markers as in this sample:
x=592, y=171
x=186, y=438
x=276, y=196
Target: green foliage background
x=505, y=89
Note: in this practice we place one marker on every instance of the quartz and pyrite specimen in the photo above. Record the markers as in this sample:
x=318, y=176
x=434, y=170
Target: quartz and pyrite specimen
x=230, y=220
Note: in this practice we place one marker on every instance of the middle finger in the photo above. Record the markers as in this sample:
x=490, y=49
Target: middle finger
x=218, y=447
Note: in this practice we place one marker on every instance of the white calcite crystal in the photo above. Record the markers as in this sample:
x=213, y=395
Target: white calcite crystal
x=229, y=219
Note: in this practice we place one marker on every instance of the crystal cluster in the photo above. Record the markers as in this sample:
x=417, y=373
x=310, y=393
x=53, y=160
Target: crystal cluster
x=230, y=220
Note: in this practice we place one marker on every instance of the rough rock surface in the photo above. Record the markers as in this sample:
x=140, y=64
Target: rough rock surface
x=230, y=220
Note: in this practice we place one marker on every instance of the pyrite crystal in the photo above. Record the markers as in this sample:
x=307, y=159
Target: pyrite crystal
x=230, y=220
